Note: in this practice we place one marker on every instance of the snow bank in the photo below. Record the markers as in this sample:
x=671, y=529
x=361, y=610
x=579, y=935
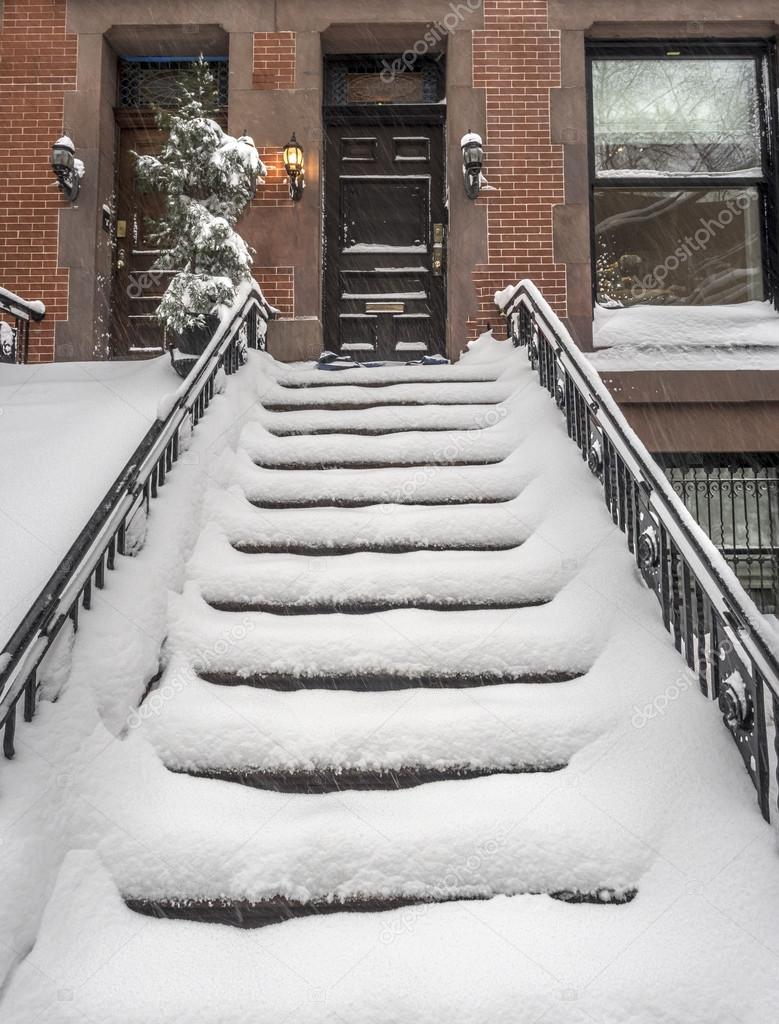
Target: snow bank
x=744, y=336
x=117, y=651
x=66, y=431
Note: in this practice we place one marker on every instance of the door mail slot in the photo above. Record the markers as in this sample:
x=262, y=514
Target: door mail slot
x=385, y=307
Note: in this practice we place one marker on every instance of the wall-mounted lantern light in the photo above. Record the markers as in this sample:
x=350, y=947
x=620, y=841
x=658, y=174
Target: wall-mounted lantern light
x=473, y=160
x=68, y=169
x=293, y=165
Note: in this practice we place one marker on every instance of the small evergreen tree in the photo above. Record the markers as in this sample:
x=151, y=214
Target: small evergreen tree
x=206, y=179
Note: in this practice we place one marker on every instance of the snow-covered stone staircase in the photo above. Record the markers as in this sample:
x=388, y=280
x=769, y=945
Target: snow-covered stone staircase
x=368, y=548
x=412, y=670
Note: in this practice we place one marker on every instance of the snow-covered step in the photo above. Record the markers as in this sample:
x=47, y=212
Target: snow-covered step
x=412, y=448
x=520, y=960
x=348, y=396
x=390, y=527
x=293, y=584
x=382, y=376
x=381, y=420
x=182, y=839
x=396, y=649
x=434, y=484
x=199, y=728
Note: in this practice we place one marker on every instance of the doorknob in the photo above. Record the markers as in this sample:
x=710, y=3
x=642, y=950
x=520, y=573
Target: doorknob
x=120, y=259
x=438, y=249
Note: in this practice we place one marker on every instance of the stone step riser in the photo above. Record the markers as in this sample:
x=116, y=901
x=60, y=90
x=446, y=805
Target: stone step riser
x=332, y=406
x=367, y=431
x=265, y=503
x=340, y=378
x=380, y=682
x=329, y=780
x=345, y=464
x=370, y=607
x=324, y=551
x=277, y=910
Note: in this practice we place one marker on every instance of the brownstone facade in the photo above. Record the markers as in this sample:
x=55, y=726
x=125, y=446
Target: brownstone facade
x=515, y=72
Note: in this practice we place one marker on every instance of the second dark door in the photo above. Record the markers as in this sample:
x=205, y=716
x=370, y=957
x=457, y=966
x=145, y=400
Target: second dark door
x=137, y=287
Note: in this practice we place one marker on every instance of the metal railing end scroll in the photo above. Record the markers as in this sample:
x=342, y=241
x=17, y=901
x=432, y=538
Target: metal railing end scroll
x=14, y=340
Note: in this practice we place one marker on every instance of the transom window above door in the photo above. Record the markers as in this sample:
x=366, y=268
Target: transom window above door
x=388, y=79
x=683, y=173
x=146, y=82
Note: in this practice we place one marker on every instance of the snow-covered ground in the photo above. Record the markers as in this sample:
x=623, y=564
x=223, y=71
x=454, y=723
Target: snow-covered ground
x=650, y=793
x=741, y=336
x=66, y=429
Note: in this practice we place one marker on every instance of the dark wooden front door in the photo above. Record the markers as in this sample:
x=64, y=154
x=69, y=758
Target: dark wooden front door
x=385, y=217
x=137, y=288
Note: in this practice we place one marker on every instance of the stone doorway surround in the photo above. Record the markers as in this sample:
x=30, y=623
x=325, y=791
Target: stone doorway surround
x=269, y=103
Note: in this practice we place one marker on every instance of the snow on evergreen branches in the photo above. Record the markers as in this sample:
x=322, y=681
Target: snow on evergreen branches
x=206, y=179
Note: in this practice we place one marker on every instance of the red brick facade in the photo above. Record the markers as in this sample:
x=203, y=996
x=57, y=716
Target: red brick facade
x=278, y=287
x=37, y=68
x=274, y=190
x=274, y=60
x=516, y=60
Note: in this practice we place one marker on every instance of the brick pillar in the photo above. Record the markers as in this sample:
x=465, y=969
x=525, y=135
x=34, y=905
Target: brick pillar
x=37, y=67
x=516, y=60
x=274, y=60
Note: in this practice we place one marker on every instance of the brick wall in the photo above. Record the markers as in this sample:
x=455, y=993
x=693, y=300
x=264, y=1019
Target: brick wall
x=274, y=60
x=274, y=190
x=516, y=60
x=37, y=68
x=278, y=287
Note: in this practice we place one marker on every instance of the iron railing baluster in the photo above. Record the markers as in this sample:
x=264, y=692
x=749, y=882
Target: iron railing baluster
x=702, y=605
x=105, y=535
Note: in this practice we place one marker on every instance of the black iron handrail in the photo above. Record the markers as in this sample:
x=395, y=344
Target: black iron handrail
x=105, y=534
x=712, y=620
x=14, y=348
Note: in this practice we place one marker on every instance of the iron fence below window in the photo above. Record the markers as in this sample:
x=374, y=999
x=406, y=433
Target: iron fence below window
x=737, y=504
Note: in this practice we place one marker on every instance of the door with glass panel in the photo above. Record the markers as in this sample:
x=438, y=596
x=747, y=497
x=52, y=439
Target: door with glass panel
x=684, y=174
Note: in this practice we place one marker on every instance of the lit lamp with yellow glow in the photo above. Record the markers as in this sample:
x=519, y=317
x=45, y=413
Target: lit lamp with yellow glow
x=293, y=165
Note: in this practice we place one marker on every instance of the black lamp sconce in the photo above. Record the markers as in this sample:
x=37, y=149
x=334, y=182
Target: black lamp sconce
x=293, y=165
x=67, y=168
x=473, y=160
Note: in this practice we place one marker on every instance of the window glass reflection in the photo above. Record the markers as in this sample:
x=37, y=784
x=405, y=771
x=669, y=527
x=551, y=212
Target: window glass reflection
x=678, y=247
x=658, y=117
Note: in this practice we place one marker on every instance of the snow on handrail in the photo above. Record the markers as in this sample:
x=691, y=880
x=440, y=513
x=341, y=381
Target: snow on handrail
x=24, y=309
x=712, y=619
x=104, y=535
